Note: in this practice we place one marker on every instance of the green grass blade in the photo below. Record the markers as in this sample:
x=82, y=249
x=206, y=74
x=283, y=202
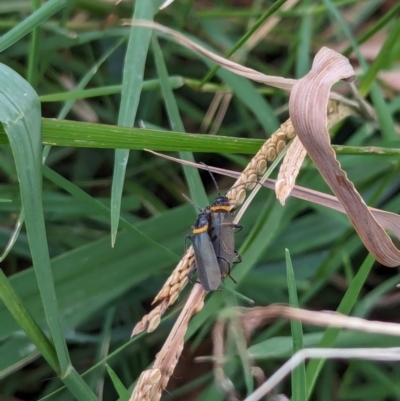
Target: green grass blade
x=89, y=75
x=192, y=175
x=88, y=135
x=132, y=82
x=27, y=322
x=247, y=93
x=20, y=116
x=276, y=5
x=18, y=99
x=175, y=82
x=103, y=209
x=381, y=108
x=95, y=379
x=345, y=307
x=383, y=60
x=299, y=373
x=25, y=27
x=14, y=236
x=122, y=391
x=77, y=386
x=32, y=76
x=375, y=27
x=304, y=50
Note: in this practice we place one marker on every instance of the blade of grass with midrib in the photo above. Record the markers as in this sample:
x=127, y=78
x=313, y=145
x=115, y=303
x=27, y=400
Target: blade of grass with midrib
x=132, y=82
x=21, y=118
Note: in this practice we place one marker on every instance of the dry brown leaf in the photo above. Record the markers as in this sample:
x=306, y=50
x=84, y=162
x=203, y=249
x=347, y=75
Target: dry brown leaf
x=277, y=82
x=289, y=169
x=389, y=221
x=271, y=80
x=307, y=108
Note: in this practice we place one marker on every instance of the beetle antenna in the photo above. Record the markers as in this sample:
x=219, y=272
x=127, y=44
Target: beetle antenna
x=192, y=203
x=212, y=177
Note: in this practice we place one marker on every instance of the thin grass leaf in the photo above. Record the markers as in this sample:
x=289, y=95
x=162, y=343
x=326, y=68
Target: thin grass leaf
x=14, y=236
x=18, y=99
x=88, y=76
x=246, y=36
x=346, y=305
x=95, y=380
x=175, y=82
x=382, y=61
x=103, y=209
x=298, y=374
x=32, y=76
x=247, y=93
x=20, y=116
x=382, y=22
x=27, y=322
x=122, y=391
x=303, y=61
x=193, y=180
x=88, y=135
x=384, y=117
x=25, y=27
x=132, y=82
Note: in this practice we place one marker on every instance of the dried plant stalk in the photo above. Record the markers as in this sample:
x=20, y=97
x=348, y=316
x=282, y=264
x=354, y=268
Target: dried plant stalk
x=153, y=381
x=251, y=319
x=256, y=167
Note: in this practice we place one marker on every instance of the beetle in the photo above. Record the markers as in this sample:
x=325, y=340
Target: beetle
x=222, y=233
x=207, y=265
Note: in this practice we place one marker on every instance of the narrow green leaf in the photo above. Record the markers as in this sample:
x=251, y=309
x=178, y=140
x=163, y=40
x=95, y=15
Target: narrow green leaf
x=14, y=236
x=21, y=119
x=382, y=111
x=303, y=60
x=275, y=6
x=20, y=115
x=382, y=61
x=27, y=322
x=42, y=14
x=192, y=175
x=122, y=391
x=88, y=135
x=299, y=373
x=103, y=209
x=254, y=101
x=345, y=307
x=34, y=51
x=95, y=379
x=132, y=82
x=175, y=82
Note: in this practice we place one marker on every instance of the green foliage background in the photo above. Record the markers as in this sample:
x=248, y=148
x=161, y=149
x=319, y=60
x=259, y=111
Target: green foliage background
x=72, y=312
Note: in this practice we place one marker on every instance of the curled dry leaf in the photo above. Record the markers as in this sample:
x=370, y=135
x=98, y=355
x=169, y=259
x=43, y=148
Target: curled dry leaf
x=307, y=108
x=295, y=155
x=289, y=170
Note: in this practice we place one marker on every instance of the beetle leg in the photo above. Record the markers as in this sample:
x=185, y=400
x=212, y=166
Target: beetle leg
x=239, y=257
x=237, y=227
